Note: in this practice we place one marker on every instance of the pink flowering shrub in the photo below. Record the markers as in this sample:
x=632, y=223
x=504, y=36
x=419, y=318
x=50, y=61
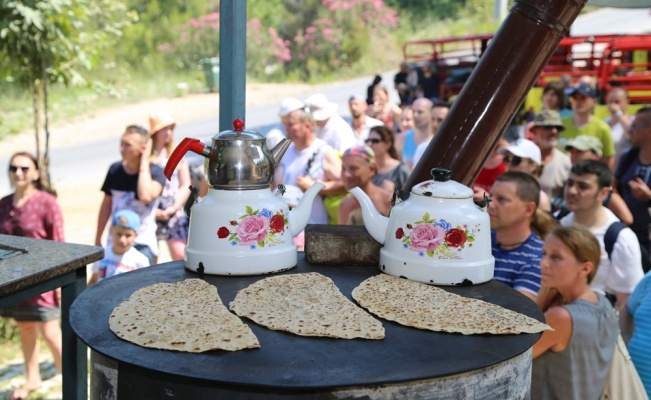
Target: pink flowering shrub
x=337, y=37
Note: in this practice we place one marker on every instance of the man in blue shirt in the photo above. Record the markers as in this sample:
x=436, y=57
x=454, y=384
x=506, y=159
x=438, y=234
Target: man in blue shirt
x=516, y=248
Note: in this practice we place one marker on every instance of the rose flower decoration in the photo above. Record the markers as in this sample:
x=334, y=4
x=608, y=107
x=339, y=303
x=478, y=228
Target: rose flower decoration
x=256, y=228
x=432, y=237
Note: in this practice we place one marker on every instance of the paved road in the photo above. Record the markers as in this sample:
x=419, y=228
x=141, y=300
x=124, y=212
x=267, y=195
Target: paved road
x=91, y=160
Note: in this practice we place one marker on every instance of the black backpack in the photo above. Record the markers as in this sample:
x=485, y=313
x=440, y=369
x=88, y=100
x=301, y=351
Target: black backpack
x=611, y=237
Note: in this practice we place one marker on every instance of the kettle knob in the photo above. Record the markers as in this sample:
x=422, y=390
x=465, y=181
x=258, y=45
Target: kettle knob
x=238, y=124
x=441, y=174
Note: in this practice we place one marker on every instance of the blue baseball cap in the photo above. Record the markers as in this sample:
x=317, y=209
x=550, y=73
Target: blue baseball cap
x=126, y=219
x=583, y=89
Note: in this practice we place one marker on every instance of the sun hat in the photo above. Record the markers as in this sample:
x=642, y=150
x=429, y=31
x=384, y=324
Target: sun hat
x=585, y=143
x=320, y=107
x=126, y=219
x=288, y=105
x=549, y=118
x=160, y=120
x=524, y=148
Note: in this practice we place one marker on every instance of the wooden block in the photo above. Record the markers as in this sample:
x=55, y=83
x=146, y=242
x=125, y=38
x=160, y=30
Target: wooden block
x=340, y=245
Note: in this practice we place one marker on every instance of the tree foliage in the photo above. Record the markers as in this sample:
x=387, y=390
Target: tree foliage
x=43, y=41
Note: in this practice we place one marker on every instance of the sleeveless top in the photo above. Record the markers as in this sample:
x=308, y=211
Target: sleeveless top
x=579, y=372
x=308, y=161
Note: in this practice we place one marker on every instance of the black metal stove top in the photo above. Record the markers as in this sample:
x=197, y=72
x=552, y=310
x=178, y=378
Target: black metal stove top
x=289, y=362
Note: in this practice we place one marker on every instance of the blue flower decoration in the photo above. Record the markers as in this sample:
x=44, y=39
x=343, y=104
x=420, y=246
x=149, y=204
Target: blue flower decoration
x=404, y=245
x=421, y=253
x=234, y=243
x=265, y=213
x=443, y=224
x=252, y=247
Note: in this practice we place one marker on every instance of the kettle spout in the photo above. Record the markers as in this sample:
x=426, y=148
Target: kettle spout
x=299, y=216
x=375, y=223
x=280, y=149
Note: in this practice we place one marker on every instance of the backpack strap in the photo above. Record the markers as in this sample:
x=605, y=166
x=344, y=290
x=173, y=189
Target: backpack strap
x=611, y=236
x=625, y=162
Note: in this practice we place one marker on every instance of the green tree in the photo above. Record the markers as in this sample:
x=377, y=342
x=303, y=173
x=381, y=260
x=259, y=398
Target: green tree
x=44, y=41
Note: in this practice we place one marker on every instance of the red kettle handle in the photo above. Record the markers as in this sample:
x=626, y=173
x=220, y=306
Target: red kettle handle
x=194, y=145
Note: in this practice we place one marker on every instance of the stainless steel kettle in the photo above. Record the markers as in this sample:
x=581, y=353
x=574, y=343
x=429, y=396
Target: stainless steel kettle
x=235, y=160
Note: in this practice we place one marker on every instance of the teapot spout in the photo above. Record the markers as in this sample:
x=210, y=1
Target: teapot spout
x=299, y=216
x=375, y=223
x=280, y=149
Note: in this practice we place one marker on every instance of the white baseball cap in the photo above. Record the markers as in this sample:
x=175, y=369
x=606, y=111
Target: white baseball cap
x=320, y=107
x=288, y=105
x=524, y=148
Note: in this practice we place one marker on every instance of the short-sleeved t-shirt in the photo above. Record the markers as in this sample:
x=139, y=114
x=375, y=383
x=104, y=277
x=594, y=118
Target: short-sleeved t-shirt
x=123, y=189
x=596, y=127
x=519, y=268
x=623, y=270
x=115, y=264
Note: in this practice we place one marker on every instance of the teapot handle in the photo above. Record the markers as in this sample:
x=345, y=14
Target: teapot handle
x=177, y=155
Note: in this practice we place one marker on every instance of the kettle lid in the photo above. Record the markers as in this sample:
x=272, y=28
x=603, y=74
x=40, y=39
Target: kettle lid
x=238, y=133
x=442, y=186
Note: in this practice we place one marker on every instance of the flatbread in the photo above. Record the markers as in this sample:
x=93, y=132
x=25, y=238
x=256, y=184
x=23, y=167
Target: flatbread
x=307, y=304
x=422, y=306
x=184, y=316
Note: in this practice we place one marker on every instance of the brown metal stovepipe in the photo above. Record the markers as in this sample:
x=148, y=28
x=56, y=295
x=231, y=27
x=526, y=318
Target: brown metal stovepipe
x=489, y=100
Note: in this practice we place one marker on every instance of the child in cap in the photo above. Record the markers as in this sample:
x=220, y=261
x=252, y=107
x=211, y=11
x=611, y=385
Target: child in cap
x=120, y=256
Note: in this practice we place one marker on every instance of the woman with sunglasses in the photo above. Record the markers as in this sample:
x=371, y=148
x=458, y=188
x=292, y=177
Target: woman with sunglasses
x=32, y=211
x=524, y=155
x=391, y=172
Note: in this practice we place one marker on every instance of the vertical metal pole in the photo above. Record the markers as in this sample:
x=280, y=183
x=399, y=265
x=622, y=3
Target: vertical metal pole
x=75, y=363
x=232, y=58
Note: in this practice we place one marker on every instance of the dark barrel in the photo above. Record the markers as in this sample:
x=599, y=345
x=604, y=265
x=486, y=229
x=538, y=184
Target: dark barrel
x=496, y=88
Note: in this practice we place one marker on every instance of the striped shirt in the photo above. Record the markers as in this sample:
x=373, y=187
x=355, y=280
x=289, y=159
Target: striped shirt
x=519, y=268
x=639, y=305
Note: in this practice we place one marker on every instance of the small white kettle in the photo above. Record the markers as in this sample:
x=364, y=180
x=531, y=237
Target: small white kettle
x=437, y=235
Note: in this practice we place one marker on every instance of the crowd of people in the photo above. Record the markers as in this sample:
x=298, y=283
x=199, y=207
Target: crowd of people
x=569, y=209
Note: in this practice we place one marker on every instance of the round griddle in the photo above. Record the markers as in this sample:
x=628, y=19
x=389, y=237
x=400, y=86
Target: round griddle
x=289, y=362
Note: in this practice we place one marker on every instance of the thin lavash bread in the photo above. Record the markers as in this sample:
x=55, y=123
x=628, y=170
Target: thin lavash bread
x=185, y=316
x=306, y=304
x=422, y=306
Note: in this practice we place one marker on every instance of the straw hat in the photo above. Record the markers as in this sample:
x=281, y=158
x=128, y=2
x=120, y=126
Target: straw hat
x=160, y=120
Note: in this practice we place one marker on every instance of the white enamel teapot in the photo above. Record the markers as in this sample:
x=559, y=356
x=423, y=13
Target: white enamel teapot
x=240, y=227
x=437, y=235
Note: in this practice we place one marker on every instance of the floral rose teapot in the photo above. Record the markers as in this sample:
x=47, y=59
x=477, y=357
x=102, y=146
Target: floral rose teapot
x=240, y=227
x=437, y=235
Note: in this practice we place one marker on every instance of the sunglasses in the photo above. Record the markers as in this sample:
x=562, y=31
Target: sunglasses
x=14, y=169
x=578, y=98
x=137, y=128
x=373, y=140
x=513, y=160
